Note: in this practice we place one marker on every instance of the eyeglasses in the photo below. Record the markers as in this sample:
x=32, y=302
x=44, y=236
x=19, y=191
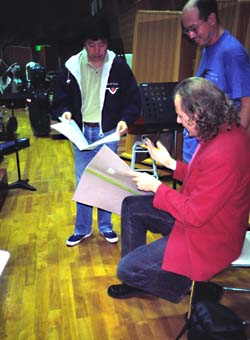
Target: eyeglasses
x=192, y=29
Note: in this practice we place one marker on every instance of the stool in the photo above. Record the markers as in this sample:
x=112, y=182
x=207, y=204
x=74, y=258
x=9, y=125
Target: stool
x=138, y=148
x=243, y=261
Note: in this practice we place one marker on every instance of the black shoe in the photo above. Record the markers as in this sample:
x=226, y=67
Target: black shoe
x=75, y=239
x=110, y=236
x=207, y=291
x=123, y=291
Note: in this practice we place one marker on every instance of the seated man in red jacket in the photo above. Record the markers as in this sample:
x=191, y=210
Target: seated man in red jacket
x=204, y=224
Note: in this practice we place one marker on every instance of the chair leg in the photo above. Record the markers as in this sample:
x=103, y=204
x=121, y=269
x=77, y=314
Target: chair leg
x=190, y=306
x=237, y=290
x=137, y=148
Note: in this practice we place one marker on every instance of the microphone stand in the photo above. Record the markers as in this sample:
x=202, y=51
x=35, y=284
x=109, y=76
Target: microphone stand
x=20, y=183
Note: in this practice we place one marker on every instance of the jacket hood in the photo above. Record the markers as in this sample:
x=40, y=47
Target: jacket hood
x=73, y=63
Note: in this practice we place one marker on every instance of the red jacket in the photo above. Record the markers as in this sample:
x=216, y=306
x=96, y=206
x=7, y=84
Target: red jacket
x=211, y=209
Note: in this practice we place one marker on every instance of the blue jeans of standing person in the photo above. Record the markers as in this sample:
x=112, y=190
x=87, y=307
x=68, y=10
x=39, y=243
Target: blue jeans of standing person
x=84, y=213
x=141, y=263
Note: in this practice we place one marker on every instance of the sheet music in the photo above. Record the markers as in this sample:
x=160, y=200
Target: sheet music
x=104, y=183
x=71, y=130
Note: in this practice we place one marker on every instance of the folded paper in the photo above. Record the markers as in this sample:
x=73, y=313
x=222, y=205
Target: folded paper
x=71, y=130
x=104, y=183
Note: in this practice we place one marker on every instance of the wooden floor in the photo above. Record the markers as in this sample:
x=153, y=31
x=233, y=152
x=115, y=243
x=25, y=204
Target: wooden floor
x=49, y=291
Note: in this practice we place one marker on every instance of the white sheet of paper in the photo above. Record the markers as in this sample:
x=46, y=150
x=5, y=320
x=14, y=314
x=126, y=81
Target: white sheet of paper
x=4, y=258
x=71, y=130
x=104, y=183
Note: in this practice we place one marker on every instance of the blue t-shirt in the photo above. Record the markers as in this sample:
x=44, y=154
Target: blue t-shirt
x=227, y=65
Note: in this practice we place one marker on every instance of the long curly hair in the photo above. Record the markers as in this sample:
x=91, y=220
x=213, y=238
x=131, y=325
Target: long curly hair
x=205, y=103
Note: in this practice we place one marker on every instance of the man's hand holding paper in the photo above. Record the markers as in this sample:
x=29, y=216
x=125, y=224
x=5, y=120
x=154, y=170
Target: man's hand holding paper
x=106, y=182
x=70, y=129
x=144, y=181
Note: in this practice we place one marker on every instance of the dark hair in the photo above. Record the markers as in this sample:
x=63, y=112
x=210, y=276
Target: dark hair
x=96, y=29
x=201, y=97
x=206, y=7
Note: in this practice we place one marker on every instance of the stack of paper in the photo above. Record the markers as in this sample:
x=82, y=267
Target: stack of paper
x=104, y=183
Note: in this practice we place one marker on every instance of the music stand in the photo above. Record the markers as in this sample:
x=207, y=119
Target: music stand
x=13, y=101
x=158, y=114
x=158, y=105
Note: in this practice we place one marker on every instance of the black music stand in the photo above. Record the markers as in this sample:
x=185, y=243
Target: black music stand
x=158, y=113
x=158, y=105
x=13, y=101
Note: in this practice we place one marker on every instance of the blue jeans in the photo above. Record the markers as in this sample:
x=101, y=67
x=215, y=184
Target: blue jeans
x=141, y=263
x=83, y=224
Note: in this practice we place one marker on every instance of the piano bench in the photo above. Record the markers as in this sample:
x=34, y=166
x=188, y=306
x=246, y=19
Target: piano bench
x=3, y=186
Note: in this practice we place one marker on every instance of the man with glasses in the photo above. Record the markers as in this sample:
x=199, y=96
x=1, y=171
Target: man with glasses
x=224, y=60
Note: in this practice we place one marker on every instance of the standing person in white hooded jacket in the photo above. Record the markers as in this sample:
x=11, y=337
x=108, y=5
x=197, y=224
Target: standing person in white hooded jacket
x=98, y=90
